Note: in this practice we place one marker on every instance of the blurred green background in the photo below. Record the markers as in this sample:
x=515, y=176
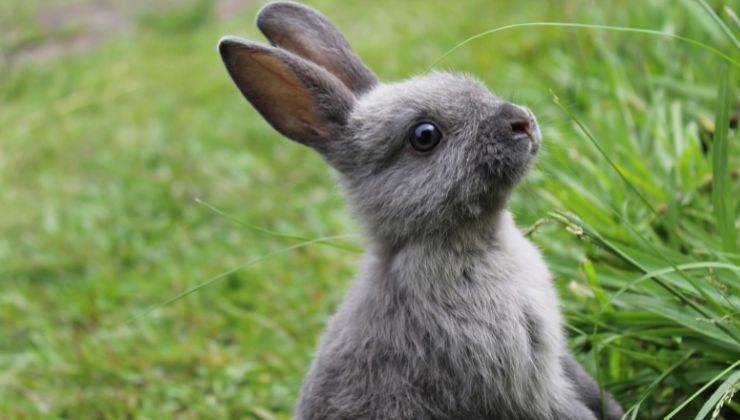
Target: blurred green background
x=131, y=171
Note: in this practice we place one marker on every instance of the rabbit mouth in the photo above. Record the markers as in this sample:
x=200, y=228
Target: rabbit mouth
x=532, y=138
x=535, y=136
x=528, y=131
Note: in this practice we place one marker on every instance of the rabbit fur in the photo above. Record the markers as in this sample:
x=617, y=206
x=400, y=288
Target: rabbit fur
x=453, y=313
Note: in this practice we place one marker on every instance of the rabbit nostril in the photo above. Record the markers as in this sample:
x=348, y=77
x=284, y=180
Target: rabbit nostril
x=520, y=127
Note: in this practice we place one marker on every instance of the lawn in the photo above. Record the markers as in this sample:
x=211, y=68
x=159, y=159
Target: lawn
x=133, y=171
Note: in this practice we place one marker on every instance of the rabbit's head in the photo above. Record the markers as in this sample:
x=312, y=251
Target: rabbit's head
x=433, y=155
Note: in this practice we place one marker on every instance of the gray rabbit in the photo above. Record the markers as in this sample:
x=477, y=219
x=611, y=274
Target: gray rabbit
x=453, y=314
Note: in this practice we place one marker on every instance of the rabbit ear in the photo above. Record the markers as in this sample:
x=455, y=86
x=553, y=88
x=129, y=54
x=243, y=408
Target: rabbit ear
x=306, y=32
x=300, y=99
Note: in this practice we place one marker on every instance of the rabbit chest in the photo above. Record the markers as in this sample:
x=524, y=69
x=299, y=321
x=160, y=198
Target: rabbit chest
x=475, y=334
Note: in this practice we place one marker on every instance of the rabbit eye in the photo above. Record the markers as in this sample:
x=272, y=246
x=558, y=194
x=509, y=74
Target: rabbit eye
x=424, y=136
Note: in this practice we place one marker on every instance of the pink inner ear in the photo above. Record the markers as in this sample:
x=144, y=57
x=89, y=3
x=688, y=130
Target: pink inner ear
x=277, y=93
x=278, y=70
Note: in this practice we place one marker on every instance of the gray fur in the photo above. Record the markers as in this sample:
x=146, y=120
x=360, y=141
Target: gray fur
x=453, y=314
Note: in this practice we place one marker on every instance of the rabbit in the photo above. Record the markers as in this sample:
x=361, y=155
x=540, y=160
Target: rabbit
x=453, y=313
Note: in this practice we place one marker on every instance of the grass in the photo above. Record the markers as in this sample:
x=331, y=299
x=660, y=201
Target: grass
x=132, y=174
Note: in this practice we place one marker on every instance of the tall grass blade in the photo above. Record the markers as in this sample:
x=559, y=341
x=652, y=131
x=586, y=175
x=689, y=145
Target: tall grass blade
x=231, y=271
x=655, y=249
x=605, y=155
x=718, y=395
x=653, y=32
x=668, y=270
x=700, y=390
x=338, y=245
x=636, y=407
x=724, y=206
x=728, y=33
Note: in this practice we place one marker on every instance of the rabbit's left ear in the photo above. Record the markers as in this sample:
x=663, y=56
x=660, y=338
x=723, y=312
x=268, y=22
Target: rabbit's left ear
x=307, y=33
x=300, y=99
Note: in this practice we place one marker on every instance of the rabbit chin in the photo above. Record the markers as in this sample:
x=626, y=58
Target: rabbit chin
x=494, y=181
x=502, y=167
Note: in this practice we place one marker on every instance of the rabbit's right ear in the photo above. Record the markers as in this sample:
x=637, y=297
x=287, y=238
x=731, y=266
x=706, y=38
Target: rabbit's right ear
x=300, y=99
x=307, y=33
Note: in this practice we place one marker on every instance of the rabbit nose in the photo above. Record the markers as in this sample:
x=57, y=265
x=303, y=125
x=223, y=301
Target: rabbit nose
x=518, y=119
x=520, y=126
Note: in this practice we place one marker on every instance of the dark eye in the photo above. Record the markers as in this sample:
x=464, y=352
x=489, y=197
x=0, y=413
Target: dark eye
x=424, y=136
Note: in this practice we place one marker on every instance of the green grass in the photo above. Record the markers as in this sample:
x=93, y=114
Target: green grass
x=134, y=173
